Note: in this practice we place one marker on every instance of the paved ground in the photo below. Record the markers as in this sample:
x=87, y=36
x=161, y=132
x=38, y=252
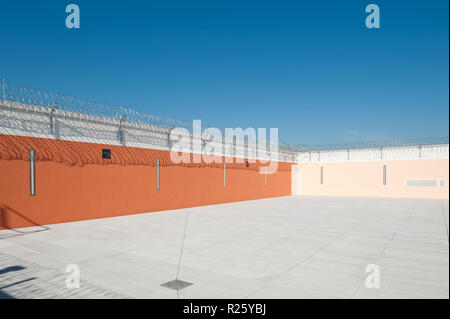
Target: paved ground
x=290, y=247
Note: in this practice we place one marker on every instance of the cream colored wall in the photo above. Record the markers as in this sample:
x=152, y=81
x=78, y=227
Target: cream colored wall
x=295, y=180
x=366, y=178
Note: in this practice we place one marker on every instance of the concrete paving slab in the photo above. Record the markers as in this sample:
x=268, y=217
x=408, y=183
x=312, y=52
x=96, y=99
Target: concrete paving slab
x=288, y=247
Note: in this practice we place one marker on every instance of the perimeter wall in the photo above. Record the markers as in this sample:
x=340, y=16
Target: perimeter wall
x=419, y=172
x=73, y=182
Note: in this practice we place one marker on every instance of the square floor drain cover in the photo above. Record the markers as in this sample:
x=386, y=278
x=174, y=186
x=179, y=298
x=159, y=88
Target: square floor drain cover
x=177, y=284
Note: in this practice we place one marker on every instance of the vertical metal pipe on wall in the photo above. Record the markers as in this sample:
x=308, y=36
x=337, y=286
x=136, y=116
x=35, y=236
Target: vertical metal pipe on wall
x=157, y=173
x=32, y=174
x=265, y=175
x=321, y=175
x=224, y=175
x=384, y=174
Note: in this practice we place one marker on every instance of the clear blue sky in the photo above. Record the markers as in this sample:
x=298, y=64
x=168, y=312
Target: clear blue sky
x=310, y=68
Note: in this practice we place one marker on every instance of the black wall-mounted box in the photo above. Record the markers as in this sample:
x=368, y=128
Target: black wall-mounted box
x=106, y=153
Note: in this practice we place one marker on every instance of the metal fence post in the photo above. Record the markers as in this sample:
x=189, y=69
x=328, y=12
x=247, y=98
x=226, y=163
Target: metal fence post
x=169, y=142
x=51, y=117
x=120, y=132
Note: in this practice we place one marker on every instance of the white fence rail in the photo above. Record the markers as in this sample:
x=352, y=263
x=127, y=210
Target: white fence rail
x=439, y=151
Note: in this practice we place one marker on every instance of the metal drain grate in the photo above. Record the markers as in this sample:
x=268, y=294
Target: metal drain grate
x=177, y=284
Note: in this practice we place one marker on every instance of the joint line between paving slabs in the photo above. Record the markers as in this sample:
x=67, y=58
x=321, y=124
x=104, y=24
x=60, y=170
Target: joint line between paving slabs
x=322, y=247
x=365, y=276
x=182, y=248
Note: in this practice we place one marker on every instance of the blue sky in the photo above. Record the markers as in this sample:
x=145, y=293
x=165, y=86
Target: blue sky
x=310, y=68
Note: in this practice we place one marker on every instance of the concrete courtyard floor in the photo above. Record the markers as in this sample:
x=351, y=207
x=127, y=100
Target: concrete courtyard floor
x=288, y=247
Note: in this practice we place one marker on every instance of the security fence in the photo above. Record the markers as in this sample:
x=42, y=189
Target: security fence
x=433, y=148
x=47, y=114
x=424, y=141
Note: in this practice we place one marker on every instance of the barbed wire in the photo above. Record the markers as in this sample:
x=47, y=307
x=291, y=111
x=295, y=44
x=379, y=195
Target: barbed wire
x=17, y=93
x=51, y=100
x=424, y=141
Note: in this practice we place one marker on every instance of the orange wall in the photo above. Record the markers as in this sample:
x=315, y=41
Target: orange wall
x=68, y=192
x=366, y=178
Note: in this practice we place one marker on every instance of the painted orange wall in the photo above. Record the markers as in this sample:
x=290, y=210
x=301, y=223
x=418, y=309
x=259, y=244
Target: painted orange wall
x=366, y=178
x=68, y=192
